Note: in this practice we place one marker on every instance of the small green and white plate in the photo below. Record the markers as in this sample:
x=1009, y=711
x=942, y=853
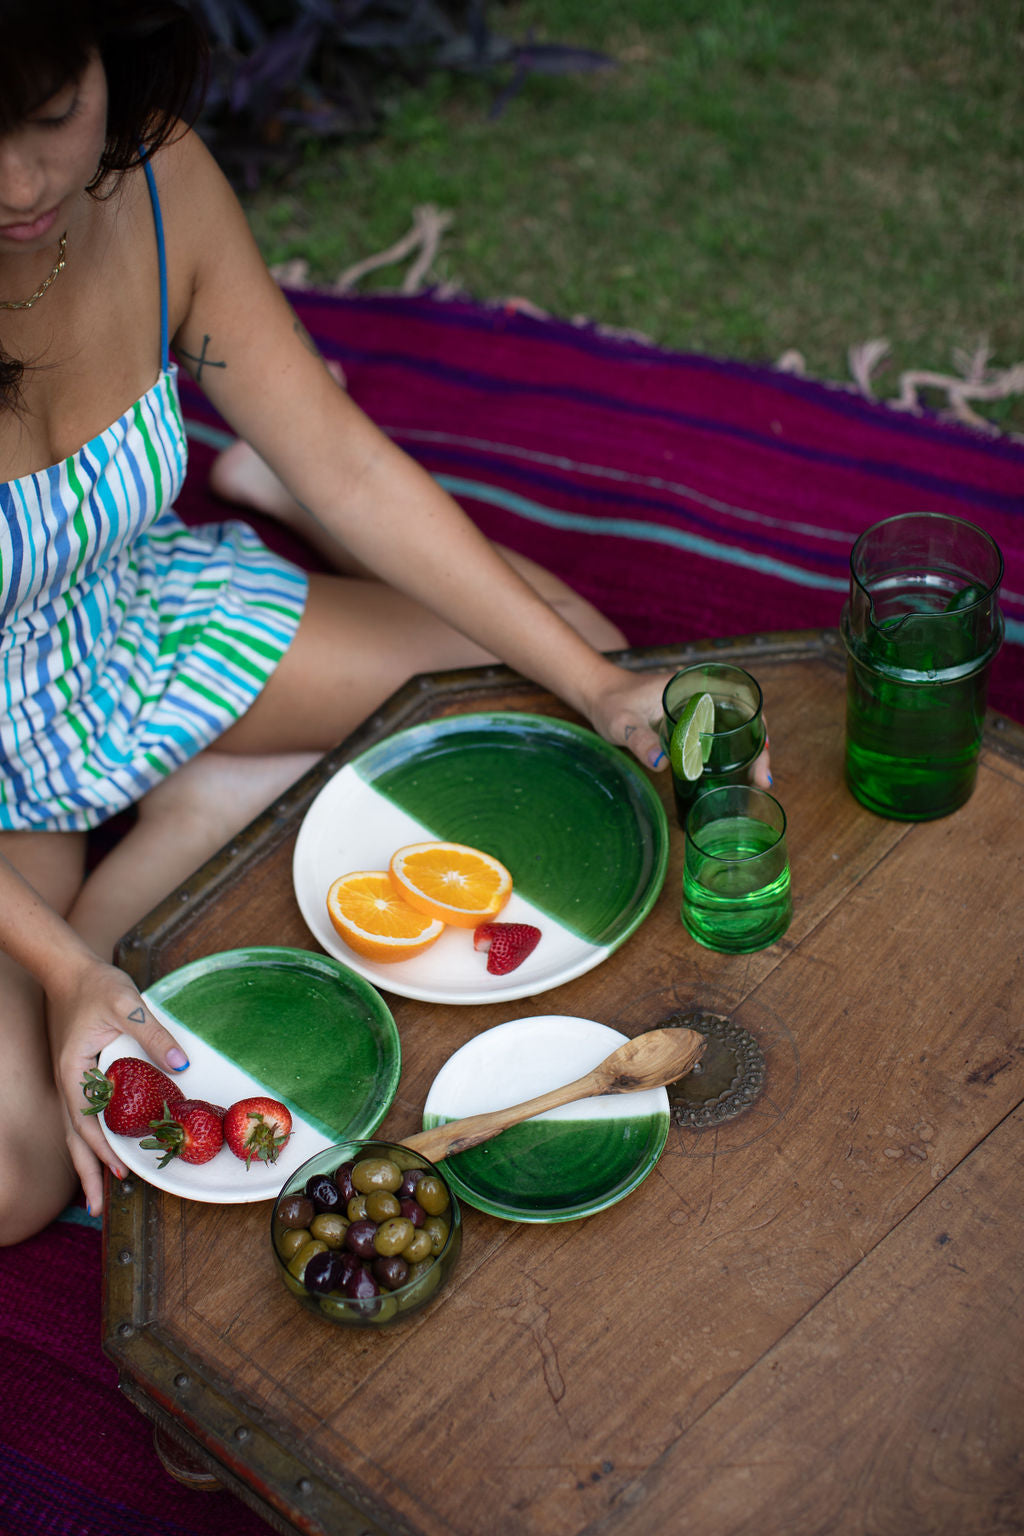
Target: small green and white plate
x=566, y=1163
x=269, y=1020
x=576, y=821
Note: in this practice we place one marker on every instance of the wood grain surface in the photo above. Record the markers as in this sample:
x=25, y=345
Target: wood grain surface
x=806, y=1320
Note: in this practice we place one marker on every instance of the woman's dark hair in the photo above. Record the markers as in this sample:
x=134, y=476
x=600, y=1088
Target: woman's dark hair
x=154, y=54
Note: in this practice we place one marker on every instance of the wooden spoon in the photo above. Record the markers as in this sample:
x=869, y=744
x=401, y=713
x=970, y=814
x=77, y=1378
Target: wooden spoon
x=649, y=1061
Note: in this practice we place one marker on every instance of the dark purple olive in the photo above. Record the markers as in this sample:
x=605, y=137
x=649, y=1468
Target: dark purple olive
x=324, y=1273
x=323, y=1192
x=391, y=1271
x=347, y=1266
x=362, y=1286
x=413, y=1211
x=359, y=1239
x=343, y=1179
x=410, y=1179
x=295, y=1211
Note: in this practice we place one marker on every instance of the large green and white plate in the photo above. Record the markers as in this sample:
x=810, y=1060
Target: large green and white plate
x=575, y=820
x=563, y=1164
x=297, y=1026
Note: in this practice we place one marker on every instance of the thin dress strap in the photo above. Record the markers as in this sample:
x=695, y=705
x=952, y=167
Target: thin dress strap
x=162, y=258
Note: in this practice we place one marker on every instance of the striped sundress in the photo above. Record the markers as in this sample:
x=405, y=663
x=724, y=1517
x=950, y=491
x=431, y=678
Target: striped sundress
x=128, y=642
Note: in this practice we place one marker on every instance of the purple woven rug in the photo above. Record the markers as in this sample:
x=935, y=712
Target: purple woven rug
x=688, y=498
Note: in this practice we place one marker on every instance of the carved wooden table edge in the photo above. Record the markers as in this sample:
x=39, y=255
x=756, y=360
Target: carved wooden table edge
x=208, y=1433
x=180, y=1398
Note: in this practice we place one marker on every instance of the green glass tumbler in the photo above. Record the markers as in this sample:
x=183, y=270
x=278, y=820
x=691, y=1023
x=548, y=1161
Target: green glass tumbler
x=739, y=734
x=736, y=895
x=921, y=628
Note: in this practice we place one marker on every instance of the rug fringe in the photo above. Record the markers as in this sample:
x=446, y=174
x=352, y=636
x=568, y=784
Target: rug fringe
x=976, y=380
x=422, y=241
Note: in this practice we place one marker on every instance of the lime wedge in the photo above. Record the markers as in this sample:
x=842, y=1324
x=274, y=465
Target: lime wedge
x=685, y=749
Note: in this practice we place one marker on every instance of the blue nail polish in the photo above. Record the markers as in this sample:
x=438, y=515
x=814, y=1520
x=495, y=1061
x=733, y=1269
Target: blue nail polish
x=771, y=781
x=177, y=1060
x=658, y=760
x=88, y=1208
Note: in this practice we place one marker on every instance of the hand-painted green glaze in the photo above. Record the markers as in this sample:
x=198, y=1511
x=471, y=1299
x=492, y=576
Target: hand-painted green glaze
x=575, y=818
x=557, y=1170
x=314, y=1033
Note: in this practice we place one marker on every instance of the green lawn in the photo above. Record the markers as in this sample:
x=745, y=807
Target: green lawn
x=753, y=176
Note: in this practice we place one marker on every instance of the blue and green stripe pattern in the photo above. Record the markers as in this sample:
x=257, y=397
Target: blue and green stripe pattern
x=128, y=642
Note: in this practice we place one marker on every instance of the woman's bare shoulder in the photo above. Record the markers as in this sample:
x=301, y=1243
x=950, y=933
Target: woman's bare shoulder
x=201, y=216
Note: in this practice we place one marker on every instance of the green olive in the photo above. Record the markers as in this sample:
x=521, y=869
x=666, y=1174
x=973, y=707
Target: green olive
x=335, y=1306
x=393, y=1235
x=372, y=1173
x=290, y=1241
x=432, y=1194
x=418, y=1247
x=297, y=1263
x=436, y=1229
x=356, y=1208
x=330, y=1227
x=428, y=1275
x=382, y=1204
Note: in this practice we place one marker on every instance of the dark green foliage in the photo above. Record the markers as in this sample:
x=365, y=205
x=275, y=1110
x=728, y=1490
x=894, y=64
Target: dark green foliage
x=285, y=72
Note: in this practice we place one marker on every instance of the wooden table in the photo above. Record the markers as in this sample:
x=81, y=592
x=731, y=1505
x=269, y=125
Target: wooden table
x=807, y=1320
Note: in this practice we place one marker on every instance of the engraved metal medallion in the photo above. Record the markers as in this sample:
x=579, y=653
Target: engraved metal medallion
x=727, y=1079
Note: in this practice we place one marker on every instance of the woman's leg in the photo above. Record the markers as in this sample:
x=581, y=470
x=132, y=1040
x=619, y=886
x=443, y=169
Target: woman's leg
x=36, y=1176
x=357, y=642
x=181, y=823
x=239, y=475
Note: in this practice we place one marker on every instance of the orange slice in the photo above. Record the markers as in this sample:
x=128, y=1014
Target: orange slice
x=459, y=885
x=371, y=917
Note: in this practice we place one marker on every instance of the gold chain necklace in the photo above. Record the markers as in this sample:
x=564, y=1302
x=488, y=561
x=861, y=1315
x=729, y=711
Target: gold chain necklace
x=27, y=303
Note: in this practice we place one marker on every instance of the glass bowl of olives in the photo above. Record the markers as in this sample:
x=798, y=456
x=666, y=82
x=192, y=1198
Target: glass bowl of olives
x=366, y=1232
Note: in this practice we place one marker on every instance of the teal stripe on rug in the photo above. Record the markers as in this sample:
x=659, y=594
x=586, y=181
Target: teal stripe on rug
x=645, y=533
x=650, y=533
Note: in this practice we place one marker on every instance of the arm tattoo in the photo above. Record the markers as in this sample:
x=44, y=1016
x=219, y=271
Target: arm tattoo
x=304, y=336
x=202, y=361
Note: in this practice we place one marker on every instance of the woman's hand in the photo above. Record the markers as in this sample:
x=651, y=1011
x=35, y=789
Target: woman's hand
x=90, y=1009
x=626, y=709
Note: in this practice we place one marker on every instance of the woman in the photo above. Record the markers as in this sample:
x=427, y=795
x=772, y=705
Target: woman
x=129, y=648
x=190, y=673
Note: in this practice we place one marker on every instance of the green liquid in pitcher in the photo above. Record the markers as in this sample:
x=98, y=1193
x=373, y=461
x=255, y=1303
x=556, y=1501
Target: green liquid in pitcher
x=916, y=691
x=741, y=906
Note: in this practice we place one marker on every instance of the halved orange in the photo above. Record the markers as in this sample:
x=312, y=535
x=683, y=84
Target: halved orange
x=375, y=921
x=460, y=885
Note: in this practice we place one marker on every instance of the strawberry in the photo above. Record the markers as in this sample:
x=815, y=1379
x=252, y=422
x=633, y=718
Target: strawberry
x=506, y=944
x=257, y=1129
x=190, y=1130
x=131, y=1094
